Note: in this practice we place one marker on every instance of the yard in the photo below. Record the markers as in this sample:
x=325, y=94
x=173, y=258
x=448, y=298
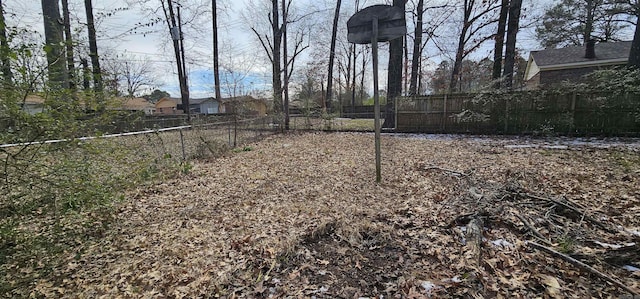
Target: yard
x=300, y=215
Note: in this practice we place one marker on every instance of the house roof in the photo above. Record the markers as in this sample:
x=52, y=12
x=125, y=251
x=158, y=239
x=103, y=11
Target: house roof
x=168, y=102
x=571, y=55
x=607, y=54
x=242, y=99
x=200, y=101
x=130, y=103
x=34, y=99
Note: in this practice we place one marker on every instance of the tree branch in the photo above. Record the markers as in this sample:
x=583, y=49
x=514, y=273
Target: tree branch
x=584, y=266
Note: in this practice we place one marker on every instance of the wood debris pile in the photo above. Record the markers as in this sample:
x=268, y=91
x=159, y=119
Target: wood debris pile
x=301, y=216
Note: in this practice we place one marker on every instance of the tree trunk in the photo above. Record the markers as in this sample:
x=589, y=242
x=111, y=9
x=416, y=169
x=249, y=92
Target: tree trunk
x=5, y=51
x=54, y=39
x=394, y=77
x=364, y=71
x=86, y=74
x=512, y=33
x=216, y=58
x=93, y=47
x=457, y=64
x=355, y=56
x=285, y=57
x=634, y=54
x=184, y=87
x=417, y=50
x=353, y=77
x=69, y=44
x=332, y=55
x=276, y=66
x=499, y=45
x=588, y=26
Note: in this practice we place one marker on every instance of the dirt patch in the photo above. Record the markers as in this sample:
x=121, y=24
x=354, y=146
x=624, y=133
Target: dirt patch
x=345, y=262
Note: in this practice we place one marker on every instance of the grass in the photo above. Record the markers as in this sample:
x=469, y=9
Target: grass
x=58, y=199
x=334, y=124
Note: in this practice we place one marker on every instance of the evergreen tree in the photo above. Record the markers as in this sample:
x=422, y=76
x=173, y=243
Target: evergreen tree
x=573, y=22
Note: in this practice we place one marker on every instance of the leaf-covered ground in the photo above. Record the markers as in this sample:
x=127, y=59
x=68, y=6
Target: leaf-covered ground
x=301, y=216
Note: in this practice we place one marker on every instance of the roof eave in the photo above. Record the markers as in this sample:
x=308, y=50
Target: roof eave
x=583, y=64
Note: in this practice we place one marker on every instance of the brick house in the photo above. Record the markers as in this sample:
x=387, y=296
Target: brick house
x=546, y=68
x=131, y=104
x=168, y=106
x=245, y=105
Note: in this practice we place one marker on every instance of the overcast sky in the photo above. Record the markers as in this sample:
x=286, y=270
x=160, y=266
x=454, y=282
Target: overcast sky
x=240, y=52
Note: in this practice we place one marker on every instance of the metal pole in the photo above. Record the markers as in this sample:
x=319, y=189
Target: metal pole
x=376, y=96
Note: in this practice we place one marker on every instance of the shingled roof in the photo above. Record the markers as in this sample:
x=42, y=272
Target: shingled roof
x=570, y=55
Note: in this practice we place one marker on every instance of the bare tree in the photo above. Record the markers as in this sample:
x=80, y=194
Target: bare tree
x=332, y=55
x=477, y=17
x=632, y=8
x=93, y=47
x=438, y=15
x=272, y=47
x=5, y=51
x=634, y=55
x=417, y=49
x=137, y=74
x=68, y=44
x=276, y=58
x=394, y=78
x=86, y=74
x=237, y=67
x=54, y=39
x=512, y=32
x=285, y=54
x=216, y=62
x=499, y=45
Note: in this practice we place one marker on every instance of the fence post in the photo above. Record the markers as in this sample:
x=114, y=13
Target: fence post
x=573, y=112
x=506, y=115
x=229, y=129
x=395, y=112
x=444, y=113
x=235, y=130
x=184, y=155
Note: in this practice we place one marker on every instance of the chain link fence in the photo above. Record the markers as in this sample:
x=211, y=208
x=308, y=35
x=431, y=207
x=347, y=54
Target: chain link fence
x=69, y=173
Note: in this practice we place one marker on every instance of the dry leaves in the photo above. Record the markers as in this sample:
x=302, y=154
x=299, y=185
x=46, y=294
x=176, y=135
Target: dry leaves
x=301, y=216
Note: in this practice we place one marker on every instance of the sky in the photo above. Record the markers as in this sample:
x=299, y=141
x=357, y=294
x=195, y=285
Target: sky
x=117, y=40
x=244, y=67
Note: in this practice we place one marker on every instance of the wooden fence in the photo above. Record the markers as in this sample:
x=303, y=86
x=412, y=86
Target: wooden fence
x=528, y=112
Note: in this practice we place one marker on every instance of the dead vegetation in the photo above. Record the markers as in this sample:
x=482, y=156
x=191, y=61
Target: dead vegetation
x=300, y=216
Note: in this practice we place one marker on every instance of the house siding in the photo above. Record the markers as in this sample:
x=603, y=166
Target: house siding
x=532, y=83
x=549, y=79
x=210, y=107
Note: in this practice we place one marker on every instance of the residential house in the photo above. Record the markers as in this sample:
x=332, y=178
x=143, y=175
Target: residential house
x=205, y=106
x=132, y=104
x=168, y=106
x=33, y=104
x=247, y=105
x=546, y=68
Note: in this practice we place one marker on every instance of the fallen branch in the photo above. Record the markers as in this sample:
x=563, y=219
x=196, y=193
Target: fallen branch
x=533, y=230
x=569, y=205
x=583, y=266
x=446, y=170
x=474, y=241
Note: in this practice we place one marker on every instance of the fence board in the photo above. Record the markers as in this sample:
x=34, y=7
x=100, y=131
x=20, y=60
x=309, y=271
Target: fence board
x=529, y=112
